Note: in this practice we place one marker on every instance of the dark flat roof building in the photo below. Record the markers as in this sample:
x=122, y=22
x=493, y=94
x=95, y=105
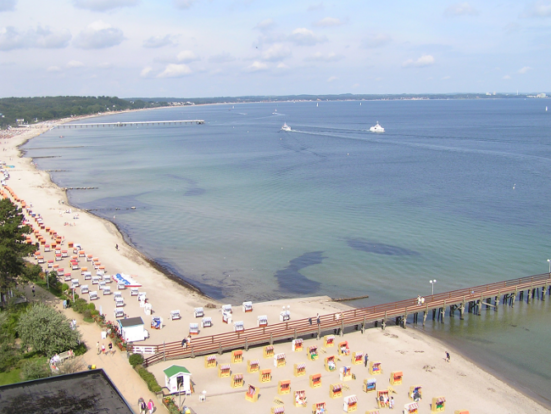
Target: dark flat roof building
x=87, y=392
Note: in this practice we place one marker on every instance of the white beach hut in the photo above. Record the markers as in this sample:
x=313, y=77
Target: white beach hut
x=178, y=379
x=132, y=329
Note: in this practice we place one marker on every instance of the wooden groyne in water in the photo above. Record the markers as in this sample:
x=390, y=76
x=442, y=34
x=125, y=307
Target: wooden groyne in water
x=470, y=299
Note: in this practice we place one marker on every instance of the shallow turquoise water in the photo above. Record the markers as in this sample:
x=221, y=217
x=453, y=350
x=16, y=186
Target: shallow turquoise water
x=456, y=191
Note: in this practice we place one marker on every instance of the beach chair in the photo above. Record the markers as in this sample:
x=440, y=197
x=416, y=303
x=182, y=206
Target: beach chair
x=383, y=399
x=268, y=351
x=284, y=387
x=280, y=360
x=415, y=393
x=461, y=412
x=285, y=316
x=74, y=283
x=175, y=315
x=319, y=408
x=95, y=280
x=226, y=317
x=101, y=285
x=74, y=265
x=147, y=308
x=251, y=394
x=315, y=380
x=253, y=366
x=357, y=358
x=265, y=375
x=134, y=291
x=438, y=405
x=60, y=272
x=116, y=295
x=239, y=326
x=40, y=259
x=106, y=290
x=247, y=306
x=93, y=295
x=328, y=341
x=237, y=356
x=224, y=370
x=142, y=296
x=226, y=309
x=119, y=313
x=369, y=385
x=237, y=381
x=350, y=404
x=206, y=322
x=64, y=253
x=343, y=348
x=89, y=258
x=194, y=328
x=396, y=377
x=107, y=279
x=277, y=410
x=300, y=398
x=313, y=352
x=81, y=253
x=412, y=408
x=297, y=345
x=84, y=289
x=375, y=368
x=335, y=390
x=57, y=251
x=121, y=286
x=345, y=373
x=198, y=313
x=46, y=248
x=299, y=370
x=67, y=277
x=119, y=302
x=262, y=321
x=156, y=322
x=58, y=257
x=210, y=361
x=50, y=264
x=330, y=363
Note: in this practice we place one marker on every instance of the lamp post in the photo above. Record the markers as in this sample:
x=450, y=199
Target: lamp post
x=432, y=282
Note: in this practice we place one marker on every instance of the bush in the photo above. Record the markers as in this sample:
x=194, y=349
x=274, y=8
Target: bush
x=9, y=357
x=35, y=368
x=149, y=379
x=91, y=306
x=80, y=306
x=94, y=313
x=135, y=359
x=64, y=287
x=80, y=349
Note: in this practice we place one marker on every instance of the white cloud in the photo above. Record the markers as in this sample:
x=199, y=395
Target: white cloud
x=105, y=65
x=99, y=35
x=155, y=42
x=44, y=38
x=332, y=79
x=305, y=37
x=282, y=65
x=222, y=58
x=376, y=40
x=460, y=9
x=265, y=24
x=7, y=5
x=75, y=64
x=103, y=5
x=175, y=71
x=146, y=72
x=425, y=60
x=276, y=52
x=506, y=77
x=183, y=4
x=538, y=9
x=186, y=56
x=257, y=66
x=524, y=70
x=328, y=22
x=329, y=57
x=54, y=69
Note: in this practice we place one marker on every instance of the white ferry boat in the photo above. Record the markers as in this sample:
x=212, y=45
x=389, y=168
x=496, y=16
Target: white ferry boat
x=286, y=127
x=377, y=128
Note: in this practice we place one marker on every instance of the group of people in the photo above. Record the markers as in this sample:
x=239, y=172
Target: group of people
x=386, y=401
x=101, y=350
x=146, y=408
x=420, y=300
x=186, y=342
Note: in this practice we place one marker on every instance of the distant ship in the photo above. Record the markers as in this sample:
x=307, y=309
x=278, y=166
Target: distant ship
x=377, y=128
x=286, y=127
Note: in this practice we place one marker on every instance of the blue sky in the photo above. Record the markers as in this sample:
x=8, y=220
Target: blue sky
x=194, y=48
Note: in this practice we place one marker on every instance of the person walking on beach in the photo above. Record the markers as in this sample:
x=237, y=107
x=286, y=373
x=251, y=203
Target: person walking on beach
x=97, y=346
x=366, y=358
x=33, y=290
x=102, y=348
x=117, y=246
x=142, y=405
x=110, y=346
x=447, y=356
x=318, y=320
x=150, y=406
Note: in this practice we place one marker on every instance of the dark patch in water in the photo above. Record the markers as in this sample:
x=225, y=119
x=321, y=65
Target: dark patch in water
x=194, y=190
x=291, y=280
x=119, y=205
x=379, y=248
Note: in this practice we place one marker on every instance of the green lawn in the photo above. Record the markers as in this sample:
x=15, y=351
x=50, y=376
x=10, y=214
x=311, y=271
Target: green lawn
x=10, y=377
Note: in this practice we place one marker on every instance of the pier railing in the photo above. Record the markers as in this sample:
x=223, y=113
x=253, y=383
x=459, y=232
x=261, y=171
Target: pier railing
x=339, y=320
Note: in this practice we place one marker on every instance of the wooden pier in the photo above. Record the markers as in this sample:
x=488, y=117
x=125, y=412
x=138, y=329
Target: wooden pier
x=471, y=300
x=130, y=123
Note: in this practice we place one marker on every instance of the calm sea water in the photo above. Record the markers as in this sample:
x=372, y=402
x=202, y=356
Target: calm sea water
x=456, y=191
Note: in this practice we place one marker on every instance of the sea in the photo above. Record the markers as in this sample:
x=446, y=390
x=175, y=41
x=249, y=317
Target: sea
x=454, y=192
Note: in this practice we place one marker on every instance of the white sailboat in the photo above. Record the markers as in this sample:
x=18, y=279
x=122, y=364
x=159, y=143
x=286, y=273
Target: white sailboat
x=377, y=128
x=317, y=104
x=286, y=127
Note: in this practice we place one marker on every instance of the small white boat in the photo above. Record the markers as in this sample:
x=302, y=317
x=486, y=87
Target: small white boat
x=286, y=127
x=377, y=128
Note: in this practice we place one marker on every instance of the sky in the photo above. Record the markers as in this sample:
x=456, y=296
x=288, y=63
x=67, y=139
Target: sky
x=207, y=48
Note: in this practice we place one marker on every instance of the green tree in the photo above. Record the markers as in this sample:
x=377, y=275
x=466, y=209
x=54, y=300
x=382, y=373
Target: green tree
x=12, y=245
x=46, y=330
x=35, y=368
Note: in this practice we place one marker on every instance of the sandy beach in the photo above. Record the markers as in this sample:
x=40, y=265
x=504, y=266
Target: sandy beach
x=421, y=358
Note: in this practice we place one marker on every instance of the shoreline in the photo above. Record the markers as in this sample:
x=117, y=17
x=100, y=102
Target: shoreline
x=138, y=256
